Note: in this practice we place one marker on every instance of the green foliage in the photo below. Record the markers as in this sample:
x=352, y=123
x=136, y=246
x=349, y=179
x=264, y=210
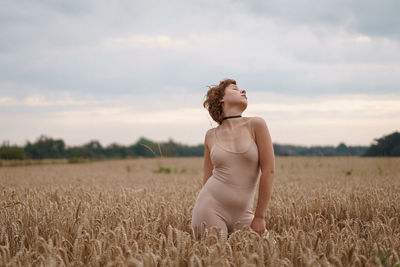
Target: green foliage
x=183, y=170
x=76, y=160
x=93, y=149
x=46, y=147
x=11, y=152
x=395, y=152
x=117, y=151
x=145, y=148
x=383, y=257
x=388, y=145
x=162, y=170
x=340, y=150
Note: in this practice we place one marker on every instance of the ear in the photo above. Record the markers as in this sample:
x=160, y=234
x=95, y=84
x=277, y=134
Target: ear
x=221, y=100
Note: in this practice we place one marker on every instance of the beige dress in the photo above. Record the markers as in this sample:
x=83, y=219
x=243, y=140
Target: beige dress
x=226, y=199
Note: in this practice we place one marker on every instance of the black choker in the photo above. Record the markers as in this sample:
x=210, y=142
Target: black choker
x=236, y=116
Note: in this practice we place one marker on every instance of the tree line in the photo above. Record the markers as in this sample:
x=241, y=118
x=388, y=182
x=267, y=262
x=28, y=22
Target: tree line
x=46, y=147
x=388, y=145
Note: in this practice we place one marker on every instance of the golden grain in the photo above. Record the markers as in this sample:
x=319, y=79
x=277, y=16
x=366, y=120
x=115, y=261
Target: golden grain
x=100, y=214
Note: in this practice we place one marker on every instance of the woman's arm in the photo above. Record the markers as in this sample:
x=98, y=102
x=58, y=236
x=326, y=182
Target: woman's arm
x=208, y=167
x=267, y=164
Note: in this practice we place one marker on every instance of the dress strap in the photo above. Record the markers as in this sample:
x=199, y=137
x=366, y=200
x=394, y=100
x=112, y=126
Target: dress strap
x=215, y=133
x=248, y=125
x=249, y=128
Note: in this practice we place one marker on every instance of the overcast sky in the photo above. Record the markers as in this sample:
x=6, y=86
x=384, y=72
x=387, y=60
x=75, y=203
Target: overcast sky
x=319, y=72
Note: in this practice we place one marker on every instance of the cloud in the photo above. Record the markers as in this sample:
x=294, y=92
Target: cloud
x=41, y=101
x=333, y=107
x=366, y=17
x=79, y=51
x=159, y=41
x=128, y=63
x=329, y=119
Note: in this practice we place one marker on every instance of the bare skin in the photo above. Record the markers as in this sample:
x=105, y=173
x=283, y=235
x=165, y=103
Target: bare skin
x=230, y=134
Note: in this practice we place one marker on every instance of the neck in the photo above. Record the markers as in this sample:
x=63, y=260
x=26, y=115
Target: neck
x=229, y=111
x=231, y=123
x=232, y=111
x=231, y=117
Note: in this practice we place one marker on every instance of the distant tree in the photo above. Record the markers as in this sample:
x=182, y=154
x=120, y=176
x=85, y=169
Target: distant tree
x=342, y=150
x=117, y=151
x=45, y=147
x=145, y=148
x=11, y=152
x=388, y=145
x=93, y=149
x=395, y=152
x=170, y=149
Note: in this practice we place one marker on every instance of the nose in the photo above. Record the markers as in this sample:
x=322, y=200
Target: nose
x=243, y=91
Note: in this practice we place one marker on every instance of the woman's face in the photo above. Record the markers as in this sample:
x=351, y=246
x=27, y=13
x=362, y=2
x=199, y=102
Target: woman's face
x=234, y=95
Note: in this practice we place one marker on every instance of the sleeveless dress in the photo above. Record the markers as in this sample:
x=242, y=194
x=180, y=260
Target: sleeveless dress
x=226, y=199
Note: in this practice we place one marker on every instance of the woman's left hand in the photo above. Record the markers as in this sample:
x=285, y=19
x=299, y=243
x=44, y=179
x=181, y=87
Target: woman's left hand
x=258, y=225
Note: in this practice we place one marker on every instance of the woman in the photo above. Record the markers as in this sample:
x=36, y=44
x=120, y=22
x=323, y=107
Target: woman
x=234, y=154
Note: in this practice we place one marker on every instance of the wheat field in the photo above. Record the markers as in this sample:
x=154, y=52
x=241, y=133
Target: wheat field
x=339, y=211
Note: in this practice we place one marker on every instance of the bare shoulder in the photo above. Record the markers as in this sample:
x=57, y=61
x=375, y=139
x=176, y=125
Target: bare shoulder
x=257, y=121
x=257, y=124
x=207, y=137
x=209, y=132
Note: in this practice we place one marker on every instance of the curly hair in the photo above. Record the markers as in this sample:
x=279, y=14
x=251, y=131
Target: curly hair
x=214, y=94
